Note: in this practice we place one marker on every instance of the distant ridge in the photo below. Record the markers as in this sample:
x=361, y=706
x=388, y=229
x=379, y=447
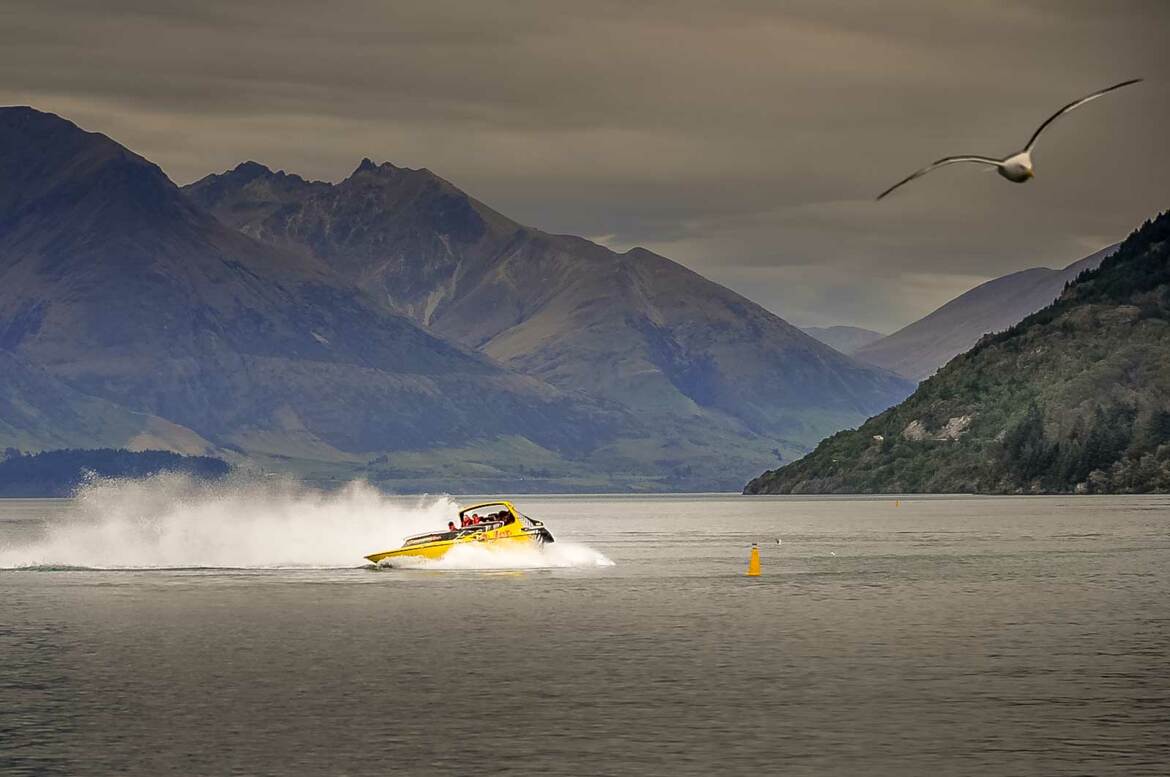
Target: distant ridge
x=846, y=339
x=917, y=350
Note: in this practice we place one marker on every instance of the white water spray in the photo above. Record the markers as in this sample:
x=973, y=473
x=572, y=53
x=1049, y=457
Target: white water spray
x=557, y=555
x=171, y=521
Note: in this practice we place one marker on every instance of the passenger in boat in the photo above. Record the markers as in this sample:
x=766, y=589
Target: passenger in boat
x=475, y=519
x=450, y=526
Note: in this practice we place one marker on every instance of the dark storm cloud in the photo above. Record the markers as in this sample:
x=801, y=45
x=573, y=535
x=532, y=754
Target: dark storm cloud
x=745, y=139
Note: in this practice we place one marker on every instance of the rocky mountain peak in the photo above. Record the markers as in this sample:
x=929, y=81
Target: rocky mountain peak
x=369, y=167
x=250, y=170
x=369, y=172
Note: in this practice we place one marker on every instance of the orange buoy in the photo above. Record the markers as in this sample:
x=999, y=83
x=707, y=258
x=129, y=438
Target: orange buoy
x=754, y=562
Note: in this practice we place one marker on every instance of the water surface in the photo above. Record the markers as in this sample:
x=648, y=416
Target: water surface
x=926, y=636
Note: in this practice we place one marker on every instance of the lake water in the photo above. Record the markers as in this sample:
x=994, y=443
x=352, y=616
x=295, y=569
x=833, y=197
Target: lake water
x=238, y=632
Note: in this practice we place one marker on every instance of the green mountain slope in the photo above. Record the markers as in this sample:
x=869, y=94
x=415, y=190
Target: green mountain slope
x=1076, y=397
x=39, y=412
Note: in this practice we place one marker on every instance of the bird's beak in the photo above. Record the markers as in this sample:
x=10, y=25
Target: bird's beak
x=1031, y=173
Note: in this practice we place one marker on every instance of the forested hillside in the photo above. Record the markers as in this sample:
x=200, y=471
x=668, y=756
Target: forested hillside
x=59, y=473
x=1076, y=397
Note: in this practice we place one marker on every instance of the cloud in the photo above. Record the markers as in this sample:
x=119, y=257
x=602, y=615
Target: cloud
x=748, y=138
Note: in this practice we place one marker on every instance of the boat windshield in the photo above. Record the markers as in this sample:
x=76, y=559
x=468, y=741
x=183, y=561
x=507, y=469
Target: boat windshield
x=491, y=512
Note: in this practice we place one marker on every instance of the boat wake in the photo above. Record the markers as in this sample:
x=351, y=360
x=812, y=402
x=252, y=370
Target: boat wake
x=476, y=556
x=173, y=522
x=170, y=522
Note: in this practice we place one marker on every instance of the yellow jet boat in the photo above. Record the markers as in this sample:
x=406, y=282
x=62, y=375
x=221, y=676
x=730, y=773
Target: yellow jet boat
x=500, y=525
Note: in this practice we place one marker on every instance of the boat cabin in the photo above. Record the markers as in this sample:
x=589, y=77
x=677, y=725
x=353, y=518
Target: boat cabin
x=491, y=512
x=492, y=515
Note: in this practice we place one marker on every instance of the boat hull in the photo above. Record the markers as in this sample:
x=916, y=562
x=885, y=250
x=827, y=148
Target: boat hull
x=432, y=551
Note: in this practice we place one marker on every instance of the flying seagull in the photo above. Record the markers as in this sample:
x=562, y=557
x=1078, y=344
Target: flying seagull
x=1017, y=168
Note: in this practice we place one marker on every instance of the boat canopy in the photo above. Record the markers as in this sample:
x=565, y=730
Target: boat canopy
x=490, y=508
x=495, y=507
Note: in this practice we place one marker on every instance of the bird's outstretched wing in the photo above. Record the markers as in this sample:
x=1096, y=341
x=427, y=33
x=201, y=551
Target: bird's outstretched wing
x=1071, y=106
x=946, y=160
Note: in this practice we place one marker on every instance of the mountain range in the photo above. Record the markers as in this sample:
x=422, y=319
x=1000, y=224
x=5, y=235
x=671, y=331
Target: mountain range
x=634, y=328
x=387, y=326
x=919, y=349
x=117, y=285
x=1074, y=398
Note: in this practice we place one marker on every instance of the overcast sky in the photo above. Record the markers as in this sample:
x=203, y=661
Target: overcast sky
x=746, y=140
